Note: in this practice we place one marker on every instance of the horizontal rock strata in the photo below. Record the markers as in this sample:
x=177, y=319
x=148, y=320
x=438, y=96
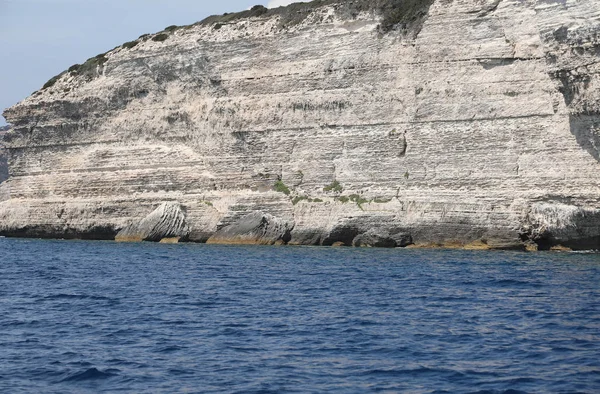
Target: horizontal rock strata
x=4, y=194
x=256, y=228
x=453, y=122
x=166, y=224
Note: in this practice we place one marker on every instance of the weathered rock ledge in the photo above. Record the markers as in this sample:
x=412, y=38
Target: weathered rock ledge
x=452, y=123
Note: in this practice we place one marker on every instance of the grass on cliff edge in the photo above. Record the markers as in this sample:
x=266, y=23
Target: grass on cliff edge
x=88, y=69
x=407, y=15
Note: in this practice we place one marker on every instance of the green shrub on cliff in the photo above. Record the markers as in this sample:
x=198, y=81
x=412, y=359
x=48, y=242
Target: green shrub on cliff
x=359, y=200
x=334, y=187
x=281, y=188
x=52, y=81
x=380, y=200
x=403, y=13
x=87, y=69
x=256, y=11
x=130, y=44
x=408, y=14
x=297, y=199
x=343, y=199
x=160, y=37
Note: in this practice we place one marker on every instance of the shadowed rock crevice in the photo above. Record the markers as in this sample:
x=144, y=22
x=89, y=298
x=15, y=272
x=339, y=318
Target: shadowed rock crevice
x=101, y=233
x=586, y=129
x=341, y=234
x=382, y=238
x=374, y=239
x=571, y=85
x=575, y=70
x=554, y=224
x=256, y=228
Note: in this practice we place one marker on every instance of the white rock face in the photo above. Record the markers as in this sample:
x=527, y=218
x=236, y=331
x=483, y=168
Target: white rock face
x=481, y=125
x=166, y=222
x=3, y=159
x=4, y=193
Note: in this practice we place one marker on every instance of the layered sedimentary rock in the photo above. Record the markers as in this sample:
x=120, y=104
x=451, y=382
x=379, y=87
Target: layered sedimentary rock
x=167, y=222
x=463, y=123
x=256, y=228
x=4, y=194
x=3, y=157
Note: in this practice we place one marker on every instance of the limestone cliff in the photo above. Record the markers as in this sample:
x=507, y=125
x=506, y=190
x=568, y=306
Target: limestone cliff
x=3, y=157
x=472, y=123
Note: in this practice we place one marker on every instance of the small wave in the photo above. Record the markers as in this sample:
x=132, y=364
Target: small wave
x=523, y=380
x=175, y=371
x=20, y=323
x=453, y=298
x=515, y=282
x=64, y=296
x=121, y=362
x=509, y=391
x=241, y=349
x=411, y=371
x=29, y=340
x=174, y=322
x=89, y=374
x=169, y=349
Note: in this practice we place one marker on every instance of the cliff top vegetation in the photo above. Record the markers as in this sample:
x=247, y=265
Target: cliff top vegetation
x=393, y=12
x=404, y=15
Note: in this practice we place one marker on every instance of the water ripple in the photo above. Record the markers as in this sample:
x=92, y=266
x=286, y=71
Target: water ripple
x=89, y=374
x=82, y=317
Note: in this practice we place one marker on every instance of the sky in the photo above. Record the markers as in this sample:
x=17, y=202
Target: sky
x=41, y=38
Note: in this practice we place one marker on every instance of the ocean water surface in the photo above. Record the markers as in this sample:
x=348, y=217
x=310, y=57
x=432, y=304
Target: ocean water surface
x=87, y=317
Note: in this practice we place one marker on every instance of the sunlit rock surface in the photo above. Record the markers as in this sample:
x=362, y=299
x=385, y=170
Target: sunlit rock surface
x=3, y=157
x=167, y=222
x=4, y=195
x=478, y=123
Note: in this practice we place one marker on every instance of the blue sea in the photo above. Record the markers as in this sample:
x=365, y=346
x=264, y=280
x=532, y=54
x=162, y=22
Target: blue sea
x=88, y=317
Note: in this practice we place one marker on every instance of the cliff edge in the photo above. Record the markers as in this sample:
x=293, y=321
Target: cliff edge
x=457, y=123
